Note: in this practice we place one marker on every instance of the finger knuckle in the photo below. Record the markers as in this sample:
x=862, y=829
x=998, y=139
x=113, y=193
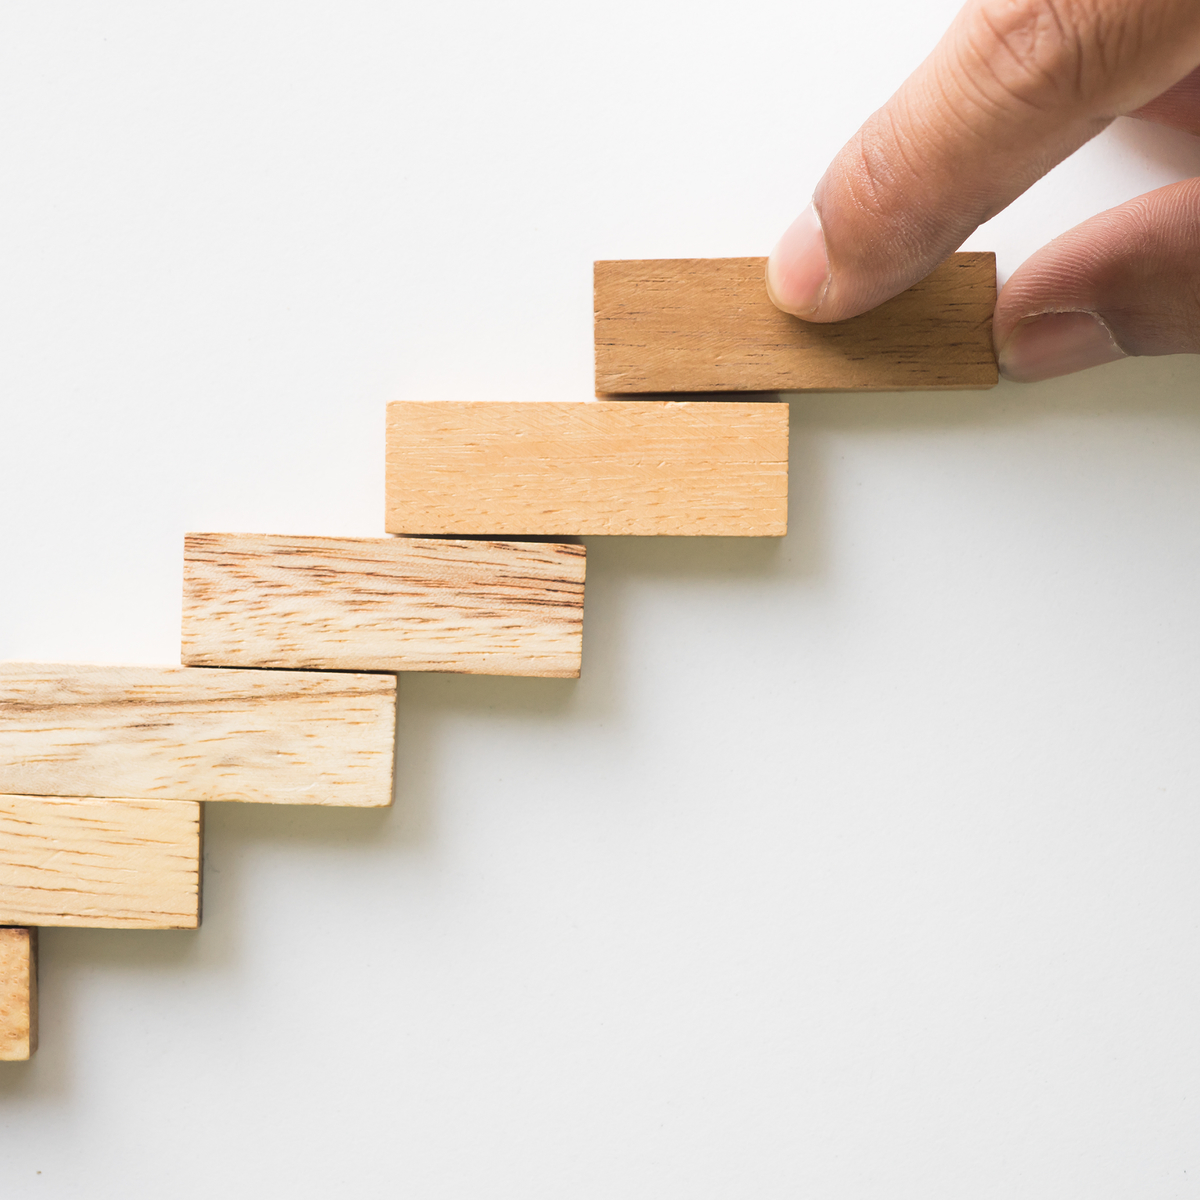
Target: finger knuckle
x=879, y=166
x=875, y=168
x=870, y=174
x=1046, y=54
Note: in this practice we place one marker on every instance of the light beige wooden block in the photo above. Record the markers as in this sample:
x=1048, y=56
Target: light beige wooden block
x=104, y=864
x=383, y=604
x=18, y=994
x=594, y=467
x=706, y=325
x=187, y=733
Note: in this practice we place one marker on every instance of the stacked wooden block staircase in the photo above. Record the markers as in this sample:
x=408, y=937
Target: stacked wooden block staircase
x=291, y=645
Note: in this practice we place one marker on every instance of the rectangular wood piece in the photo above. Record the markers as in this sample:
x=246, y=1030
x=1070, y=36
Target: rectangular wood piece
x=707, y=325
x=103, y=864
x=383, y=604
x=188, y=733
x=594, y=467
x=18, y=994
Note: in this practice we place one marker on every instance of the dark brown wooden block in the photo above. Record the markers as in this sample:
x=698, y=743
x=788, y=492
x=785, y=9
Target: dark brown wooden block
x=707, y=325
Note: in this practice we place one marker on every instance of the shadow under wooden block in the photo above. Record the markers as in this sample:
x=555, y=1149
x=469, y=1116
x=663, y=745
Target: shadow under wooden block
x=18, y=994
x=191, y=733
x=707, y=325
x=383, y=604
x=99, y=863
x=590, y=467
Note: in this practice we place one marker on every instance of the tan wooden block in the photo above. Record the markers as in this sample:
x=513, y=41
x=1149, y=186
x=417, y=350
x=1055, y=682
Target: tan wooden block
x=103, y=864
x=189, y=733
x=642, y=467
x=707, y=325
x=383, y=604
x=18, y=994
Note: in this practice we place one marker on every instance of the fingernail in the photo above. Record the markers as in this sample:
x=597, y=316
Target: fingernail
x=1057, y=343
x=798, y=269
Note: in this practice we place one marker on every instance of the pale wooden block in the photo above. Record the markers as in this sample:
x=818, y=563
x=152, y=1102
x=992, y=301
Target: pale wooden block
x=641, y=467
x=18, y=994
x=189, y=733
x=383, y=604
x=104, y=864
x=707, y=325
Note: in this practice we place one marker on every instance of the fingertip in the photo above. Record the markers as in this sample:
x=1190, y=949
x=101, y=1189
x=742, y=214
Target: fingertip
x=1046, y=345
x=798, y=273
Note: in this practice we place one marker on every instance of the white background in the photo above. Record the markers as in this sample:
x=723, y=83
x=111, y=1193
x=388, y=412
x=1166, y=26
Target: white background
x=864, y=863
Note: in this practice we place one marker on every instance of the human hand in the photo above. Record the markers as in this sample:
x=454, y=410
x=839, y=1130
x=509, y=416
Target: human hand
x=1012, y=89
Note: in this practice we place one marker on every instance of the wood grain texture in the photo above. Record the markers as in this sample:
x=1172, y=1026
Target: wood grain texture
x=18, y=994
x=383, y=604
x=103, y=864
x=706, y=325
x=643, y=467
x=185, y=733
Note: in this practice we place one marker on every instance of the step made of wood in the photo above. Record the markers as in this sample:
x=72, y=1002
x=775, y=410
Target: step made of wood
x=104, y=864
x=707, y=325
x=189, y=733
x=18, y=994
x=383, y=604
x=590, y=467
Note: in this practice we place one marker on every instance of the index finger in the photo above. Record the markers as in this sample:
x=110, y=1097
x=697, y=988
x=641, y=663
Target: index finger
x=1013, y=88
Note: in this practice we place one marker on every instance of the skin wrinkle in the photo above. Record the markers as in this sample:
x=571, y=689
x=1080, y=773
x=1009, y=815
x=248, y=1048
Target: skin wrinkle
x=917, y=228
x=1017, y=50
x=906, y=146
x=969, y=69
x=871, y=185
x=867, y=190
x=1035, y=166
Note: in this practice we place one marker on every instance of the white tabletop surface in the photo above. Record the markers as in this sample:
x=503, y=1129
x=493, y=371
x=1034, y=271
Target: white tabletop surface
x=861, y=864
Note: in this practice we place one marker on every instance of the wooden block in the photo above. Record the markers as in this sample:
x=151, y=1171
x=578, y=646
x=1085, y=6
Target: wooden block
x=186, y=733
x=706, y=325
x=383, y=604
x=104, y=864
x=18, y=994
x=645, y=467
